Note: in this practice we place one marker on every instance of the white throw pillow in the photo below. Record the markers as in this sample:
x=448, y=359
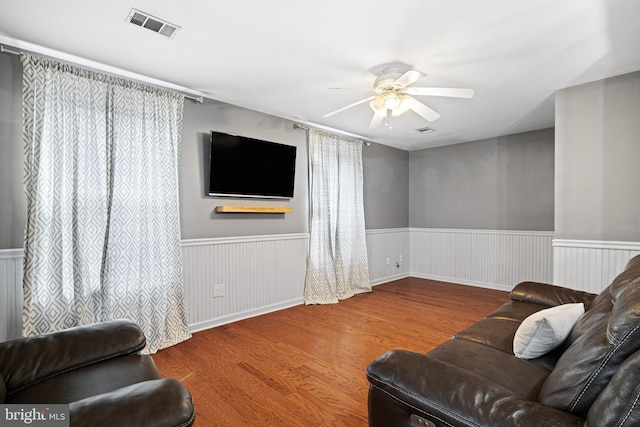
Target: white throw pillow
x=545, y=330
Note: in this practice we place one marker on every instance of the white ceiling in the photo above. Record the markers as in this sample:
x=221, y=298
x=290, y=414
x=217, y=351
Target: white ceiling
x=283, y=57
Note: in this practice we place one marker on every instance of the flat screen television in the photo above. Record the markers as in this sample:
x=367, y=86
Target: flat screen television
x=247, y=167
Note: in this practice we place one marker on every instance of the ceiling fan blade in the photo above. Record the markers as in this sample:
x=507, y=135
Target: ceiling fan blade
x=376, y=121
x=422, y=110
x=453, y=92
x=339, y=110
x=408, y=78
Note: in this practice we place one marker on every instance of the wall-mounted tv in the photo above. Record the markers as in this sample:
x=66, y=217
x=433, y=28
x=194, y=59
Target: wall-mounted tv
x=247, y=167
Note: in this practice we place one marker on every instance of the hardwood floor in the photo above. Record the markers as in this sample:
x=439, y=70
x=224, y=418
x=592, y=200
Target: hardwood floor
x=305, y=366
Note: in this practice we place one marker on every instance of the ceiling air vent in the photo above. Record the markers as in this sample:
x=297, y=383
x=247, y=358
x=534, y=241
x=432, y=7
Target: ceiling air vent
x=426, y=130
x=143, y=19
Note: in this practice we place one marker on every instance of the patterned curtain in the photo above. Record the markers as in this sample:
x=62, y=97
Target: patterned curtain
x=102, y=239
x=337, y=266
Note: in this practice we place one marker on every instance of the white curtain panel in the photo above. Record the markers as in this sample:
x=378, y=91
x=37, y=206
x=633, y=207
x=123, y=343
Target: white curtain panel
x=102, y=239
x=337, y=266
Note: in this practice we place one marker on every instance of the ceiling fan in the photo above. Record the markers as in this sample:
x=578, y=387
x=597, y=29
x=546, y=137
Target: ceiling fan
x=393, y=97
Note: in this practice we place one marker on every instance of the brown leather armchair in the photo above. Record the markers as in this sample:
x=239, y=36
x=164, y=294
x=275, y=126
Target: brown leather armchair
x=98, y=371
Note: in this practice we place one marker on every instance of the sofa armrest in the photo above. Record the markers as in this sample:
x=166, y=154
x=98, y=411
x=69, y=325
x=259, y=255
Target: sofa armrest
x=154, y=403
x=26, y=361
x=405, y=383
x=549, y=295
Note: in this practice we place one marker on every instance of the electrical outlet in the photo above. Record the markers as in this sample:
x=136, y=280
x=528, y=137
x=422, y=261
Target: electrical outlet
x=388, y=260
x=218, y=291
x=400, y=258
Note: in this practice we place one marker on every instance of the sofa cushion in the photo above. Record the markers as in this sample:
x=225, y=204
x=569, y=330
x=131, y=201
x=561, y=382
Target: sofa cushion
x=515, y=310
x=619, y=403
x=545, y=330
x=495, y=333
x=601, y=340
x=493, y=365
x=498, y=328
x=549, y=295
x=405, y=383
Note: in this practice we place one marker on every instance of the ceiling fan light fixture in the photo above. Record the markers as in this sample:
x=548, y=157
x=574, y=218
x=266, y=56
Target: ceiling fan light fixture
x=403, y=107
x=391, y=100
x=394, y=96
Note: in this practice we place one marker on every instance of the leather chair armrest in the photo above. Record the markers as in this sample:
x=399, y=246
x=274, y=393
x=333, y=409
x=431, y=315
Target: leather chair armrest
x=549, y=295
x=25, y=361
x=3, y=390
x=405, y=383
x=154, y=403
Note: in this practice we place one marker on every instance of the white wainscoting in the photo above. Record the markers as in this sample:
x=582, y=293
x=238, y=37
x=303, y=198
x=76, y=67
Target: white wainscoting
x=266, y=273
x=390, y=244
x=590, y=265
x=260, y=274
x=487, y=258
x=10, y=294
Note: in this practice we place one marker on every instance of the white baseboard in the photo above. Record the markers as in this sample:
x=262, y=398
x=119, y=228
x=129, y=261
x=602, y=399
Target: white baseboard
x=388, y=279
x=235, y=317
x=476, y=283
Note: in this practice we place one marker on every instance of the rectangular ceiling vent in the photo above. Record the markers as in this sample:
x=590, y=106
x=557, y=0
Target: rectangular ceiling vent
x=143, y=19
x=426, y=130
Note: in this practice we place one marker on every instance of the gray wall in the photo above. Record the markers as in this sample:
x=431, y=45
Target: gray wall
x=197, y=210
x=13, y=206
x=386, y=186
x=597, y=157
x=503, y=183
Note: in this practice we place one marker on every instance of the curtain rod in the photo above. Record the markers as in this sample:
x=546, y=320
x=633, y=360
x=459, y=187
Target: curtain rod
x=305, y=128
x=5, y=50
x=195, y=98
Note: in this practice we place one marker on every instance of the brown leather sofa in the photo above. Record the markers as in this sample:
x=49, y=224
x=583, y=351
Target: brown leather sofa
x=98, y=371
x=592, y=379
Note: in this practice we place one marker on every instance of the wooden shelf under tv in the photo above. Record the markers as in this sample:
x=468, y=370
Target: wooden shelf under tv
x=251, y=209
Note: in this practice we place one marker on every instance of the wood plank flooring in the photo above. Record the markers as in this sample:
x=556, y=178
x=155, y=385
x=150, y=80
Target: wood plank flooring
x=305, y=366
